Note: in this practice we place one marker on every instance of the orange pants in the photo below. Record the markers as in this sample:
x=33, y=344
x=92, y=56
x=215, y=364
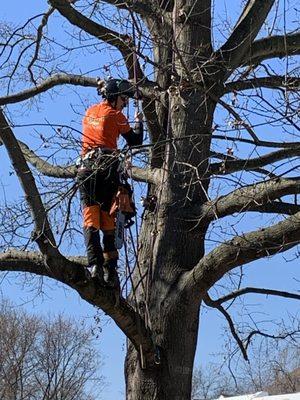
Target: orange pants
x=94, y=217
x=97, y=190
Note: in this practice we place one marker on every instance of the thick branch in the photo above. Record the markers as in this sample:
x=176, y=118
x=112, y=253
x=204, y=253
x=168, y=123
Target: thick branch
x=276, y=207
x=253, y=197
x=43, y=233
x=121, y=312
x=148, y=175
x=113, y=38
x=227, y=157
x=270, y=82
x=231, y=166
x=23, y=261
x=69, y=171
x=44, y=167
x=55, y=80
x=140, y=7
x=242, y=250
x=271, y=47
x=245, y=31
x=146, y=89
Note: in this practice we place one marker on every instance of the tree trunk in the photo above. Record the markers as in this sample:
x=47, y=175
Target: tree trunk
x=171, y=244
x=172, y=378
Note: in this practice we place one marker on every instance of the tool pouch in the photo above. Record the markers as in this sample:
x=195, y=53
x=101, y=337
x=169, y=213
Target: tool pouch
x=123, y=202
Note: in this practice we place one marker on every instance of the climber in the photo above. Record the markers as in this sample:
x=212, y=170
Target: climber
x=98, y=175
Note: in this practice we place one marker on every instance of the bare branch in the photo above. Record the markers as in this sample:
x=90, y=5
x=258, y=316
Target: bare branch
x=255, y=140
x=260, y=333
x=38, y=41
x=231, y=166
x=244, y=33
x=55, y=80
x=215, y=304
x=242, y=250
x=146, y=89
x=271, y=47
x=261, y=143
x=227, y=157
x=247, y=290
x=271, y=82
x=252, y=197
x=33, y=262
x=122, y=42
x=113, y=38
x=23, y=261
x=240, y=120
x=218, y=305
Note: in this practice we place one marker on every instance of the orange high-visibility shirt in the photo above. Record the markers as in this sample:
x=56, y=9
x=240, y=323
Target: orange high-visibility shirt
x=102, y=126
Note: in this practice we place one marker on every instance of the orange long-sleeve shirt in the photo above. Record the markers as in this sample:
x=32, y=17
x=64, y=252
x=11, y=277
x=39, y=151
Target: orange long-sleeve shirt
x=102, y=126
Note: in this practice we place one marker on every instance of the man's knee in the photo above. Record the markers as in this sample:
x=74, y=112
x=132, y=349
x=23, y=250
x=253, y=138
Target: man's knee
x=109, y=247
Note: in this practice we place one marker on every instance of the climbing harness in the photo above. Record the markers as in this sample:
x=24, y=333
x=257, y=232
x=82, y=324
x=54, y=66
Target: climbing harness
x=98, y=159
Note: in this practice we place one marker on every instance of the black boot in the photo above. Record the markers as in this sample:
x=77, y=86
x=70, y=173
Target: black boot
x=93, y=246
x=111, y=277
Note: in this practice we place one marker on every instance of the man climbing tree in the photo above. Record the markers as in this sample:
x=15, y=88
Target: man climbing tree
x=221, y=101
x=99, y=175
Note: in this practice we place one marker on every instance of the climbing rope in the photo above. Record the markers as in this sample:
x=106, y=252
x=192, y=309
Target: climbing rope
x=149, y=273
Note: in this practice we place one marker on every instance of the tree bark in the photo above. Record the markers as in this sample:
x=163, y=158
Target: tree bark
x=172, y=378
x=175, y=244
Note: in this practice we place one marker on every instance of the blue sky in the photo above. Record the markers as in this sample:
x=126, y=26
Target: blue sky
x=267, y=273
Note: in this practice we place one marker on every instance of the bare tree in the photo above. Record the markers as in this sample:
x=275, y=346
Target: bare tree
x=46, y=358
x=274, y=368
x=221, y=102
x=211, y=382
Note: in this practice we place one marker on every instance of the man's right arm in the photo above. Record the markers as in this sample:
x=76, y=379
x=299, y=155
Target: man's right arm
x=134, y=137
